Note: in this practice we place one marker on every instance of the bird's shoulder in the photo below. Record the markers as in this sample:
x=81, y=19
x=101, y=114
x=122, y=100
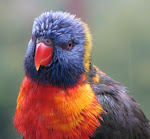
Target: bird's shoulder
x=102, y=83
x=123, y=118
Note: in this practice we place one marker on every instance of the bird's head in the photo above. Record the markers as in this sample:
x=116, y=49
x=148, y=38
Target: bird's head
x=59, y=50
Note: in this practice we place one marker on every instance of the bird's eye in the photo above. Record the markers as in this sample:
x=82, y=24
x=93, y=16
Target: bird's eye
x=70, y=45
x=48, y=41
x=38, y=40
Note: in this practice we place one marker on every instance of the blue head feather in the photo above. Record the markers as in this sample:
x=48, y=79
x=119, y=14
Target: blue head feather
x=66, y=66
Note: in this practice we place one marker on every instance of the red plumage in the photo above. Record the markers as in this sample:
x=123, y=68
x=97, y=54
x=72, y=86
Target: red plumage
x=44, y=111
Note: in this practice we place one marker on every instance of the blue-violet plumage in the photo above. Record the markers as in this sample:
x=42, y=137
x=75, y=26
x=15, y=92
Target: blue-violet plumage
x=67, y=66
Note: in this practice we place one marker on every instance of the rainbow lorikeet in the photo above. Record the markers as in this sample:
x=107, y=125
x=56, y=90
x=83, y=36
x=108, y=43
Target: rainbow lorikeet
x=64, y=96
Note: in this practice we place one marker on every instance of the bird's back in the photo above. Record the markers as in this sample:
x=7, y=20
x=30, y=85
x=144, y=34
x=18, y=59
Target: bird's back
x=123, y=119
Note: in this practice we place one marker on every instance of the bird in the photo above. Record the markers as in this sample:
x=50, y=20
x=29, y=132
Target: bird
x=64, y=96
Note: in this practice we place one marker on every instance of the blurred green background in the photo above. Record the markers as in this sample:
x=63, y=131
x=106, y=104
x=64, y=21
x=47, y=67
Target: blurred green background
x=121, y=40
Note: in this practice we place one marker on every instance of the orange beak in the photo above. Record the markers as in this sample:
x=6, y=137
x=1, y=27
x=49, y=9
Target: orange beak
x=43, y=55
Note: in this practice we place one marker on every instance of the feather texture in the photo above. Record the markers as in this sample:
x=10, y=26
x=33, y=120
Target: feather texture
x=49, y=112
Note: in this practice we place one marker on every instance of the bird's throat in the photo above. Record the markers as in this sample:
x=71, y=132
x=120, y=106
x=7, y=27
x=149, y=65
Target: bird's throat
x=56, y=112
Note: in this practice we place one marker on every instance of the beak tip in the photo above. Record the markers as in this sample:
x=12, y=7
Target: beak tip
x=37, y=67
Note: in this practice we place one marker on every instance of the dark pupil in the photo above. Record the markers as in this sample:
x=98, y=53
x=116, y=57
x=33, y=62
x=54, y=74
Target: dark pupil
x=70, y=44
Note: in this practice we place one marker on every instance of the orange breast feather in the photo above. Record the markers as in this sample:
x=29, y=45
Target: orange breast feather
x=47, y=112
